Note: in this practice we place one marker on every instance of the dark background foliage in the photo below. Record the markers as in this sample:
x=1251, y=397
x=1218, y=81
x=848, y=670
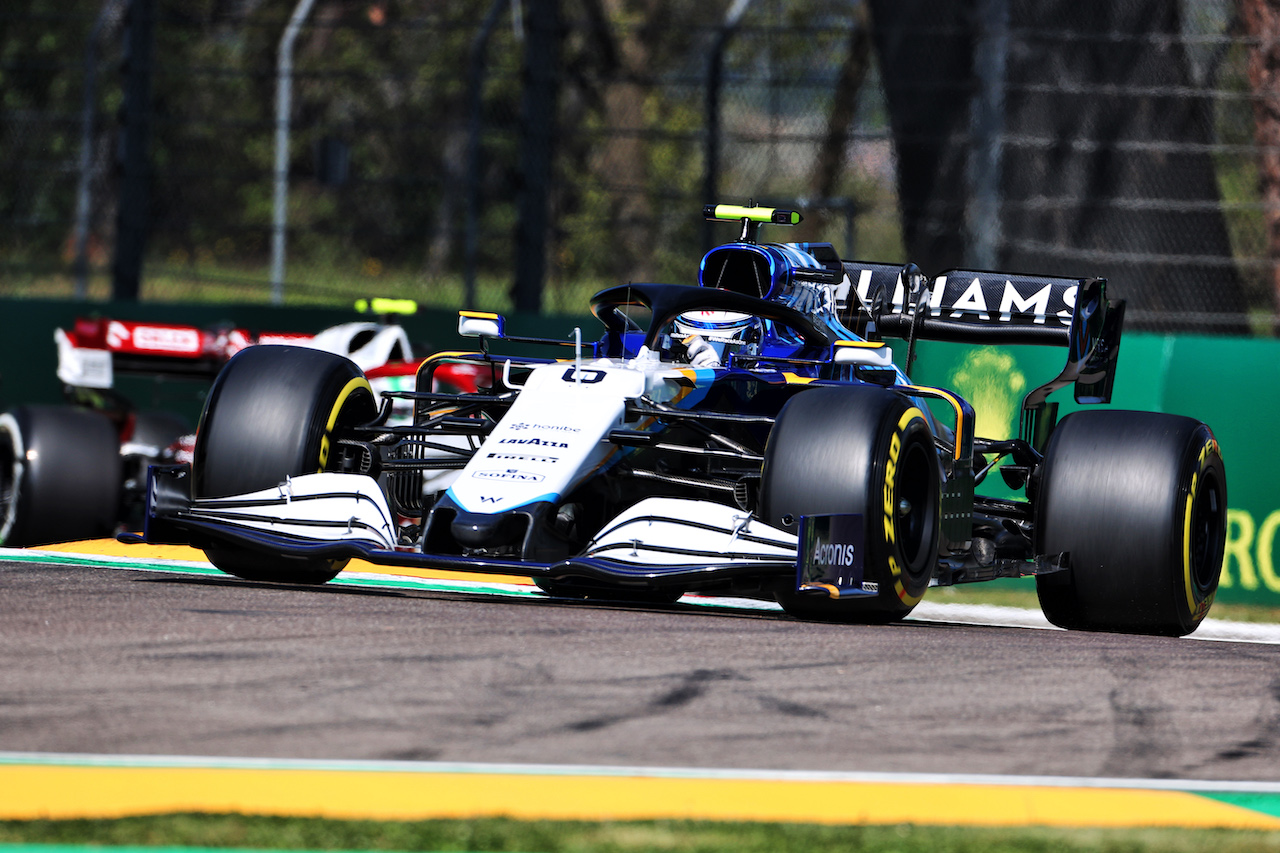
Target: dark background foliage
x=526, y=153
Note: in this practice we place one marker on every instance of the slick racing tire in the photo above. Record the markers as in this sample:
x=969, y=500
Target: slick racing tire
x=271, y=414
x=1138, y=502
x=60, y=475
x=866, y=451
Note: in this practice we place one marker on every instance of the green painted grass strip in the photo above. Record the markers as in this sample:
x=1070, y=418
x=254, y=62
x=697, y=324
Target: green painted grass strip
x=1265, y=803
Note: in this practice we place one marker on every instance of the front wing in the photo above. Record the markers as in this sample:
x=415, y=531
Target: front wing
x=657, y=543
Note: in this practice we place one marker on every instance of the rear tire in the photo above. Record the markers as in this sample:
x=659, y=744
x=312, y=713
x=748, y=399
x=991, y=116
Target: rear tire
x=271, y=414
x=830, y=452
x=60, y=475
x=1139, y=500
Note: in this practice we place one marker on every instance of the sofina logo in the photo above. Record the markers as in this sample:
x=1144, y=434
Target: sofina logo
x=509, y=474
x=990, y=380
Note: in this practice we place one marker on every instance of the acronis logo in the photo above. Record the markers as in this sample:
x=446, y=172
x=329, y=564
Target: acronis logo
x=834, y=554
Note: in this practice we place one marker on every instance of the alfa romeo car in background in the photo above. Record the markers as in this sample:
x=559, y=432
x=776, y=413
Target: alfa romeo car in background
x=77, y=471
x=749, y=435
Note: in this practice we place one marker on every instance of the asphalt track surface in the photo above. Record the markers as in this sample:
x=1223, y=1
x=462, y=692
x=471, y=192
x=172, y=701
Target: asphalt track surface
x=144, y=663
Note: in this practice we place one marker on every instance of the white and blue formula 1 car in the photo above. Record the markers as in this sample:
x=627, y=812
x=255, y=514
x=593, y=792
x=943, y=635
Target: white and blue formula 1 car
x=750, y=436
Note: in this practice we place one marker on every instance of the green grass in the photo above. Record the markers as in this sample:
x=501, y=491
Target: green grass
x=606, y=837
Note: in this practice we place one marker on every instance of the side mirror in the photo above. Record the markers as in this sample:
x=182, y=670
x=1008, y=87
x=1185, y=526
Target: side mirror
x=874, y=353
x=480, y=324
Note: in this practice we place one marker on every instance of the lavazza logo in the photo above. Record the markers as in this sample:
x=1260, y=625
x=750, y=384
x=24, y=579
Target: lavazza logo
x=834, y=555
x=509, y=474
x=533, y=442
x=545, y=427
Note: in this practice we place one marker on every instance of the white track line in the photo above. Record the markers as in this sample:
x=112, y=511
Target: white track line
x=461, y=767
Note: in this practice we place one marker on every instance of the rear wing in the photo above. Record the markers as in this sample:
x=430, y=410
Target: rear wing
x=967, y=306
x=95, y=349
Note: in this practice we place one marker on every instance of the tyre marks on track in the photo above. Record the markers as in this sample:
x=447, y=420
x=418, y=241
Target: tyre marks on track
x=60, y=785
x=108, y=553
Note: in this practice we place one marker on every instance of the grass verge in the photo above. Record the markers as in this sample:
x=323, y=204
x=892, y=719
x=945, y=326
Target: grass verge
x=236, y=831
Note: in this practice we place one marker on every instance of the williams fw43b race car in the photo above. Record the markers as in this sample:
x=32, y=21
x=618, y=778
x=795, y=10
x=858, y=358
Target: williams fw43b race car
x=78, y=471
x=750, y=435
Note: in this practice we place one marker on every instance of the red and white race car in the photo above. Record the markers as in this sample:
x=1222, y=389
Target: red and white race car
x=77, y=471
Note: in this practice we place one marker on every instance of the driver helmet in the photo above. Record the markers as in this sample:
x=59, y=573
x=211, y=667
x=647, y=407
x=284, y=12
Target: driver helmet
x=716, y=330
x=718, y=326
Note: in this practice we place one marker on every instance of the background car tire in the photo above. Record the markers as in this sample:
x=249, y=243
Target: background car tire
x=60, y=475
x=270, y=415
x=1139, y=500
x=829, y=453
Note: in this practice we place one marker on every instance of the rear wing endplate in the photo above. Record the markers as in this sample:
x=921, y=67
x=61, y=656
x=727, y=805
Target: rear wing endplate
x=965, y=306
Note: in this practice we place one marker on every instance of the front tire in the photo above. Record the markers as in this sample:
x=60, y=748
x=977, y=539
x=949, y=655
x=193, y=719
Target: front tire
x=1139, y=502
x=272, y=413
x=858, y=450
x=60, y=475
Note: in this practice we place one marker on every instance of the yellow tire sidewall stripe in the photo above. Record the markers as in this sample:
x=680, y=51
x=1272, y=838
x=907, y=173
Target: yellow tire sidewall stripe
x=350, y=388
x=890, y=501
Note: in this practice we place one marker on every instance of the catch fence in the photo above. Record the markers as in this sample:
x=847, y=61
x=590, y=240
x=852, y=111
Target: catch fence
x=500, y=154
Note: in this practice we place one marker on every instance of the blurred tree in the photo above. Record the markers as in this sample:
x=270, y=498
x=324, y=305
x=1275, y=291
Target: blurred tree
x=1112, y=174
x=925, y=49
x=829, y=165
x=629, y=125
x=1261, y=20
x=1105, y=170
x=41, y=76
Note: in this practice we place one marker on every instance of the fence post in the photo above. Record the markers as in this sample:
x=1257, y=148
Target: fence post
x=284, y=108
x=475, y=94
x=132, y=219
x=88, y=113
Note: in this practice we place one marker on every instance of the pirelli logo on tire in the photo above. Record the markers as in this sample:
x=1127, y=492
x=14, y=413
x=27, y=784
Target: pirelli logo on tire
x=1199, y=600
x=890, y=507
x=345, y=394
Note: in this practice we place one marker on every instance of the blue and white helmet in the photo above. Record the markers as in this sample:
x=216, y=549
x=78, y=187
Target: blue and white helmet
x=719, y=326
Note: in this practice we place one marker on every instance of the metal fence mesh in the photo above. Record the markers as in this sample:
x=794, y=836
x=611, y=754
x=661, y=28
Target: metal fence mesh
x=1125, y=139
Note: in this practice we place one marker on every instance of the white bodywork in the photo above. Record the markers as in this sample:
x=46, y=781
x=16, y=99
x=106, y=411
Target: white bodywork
x=703, y=531
x=552, y=438
x=82, y=366
x=323, y=507
x=385, y=343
